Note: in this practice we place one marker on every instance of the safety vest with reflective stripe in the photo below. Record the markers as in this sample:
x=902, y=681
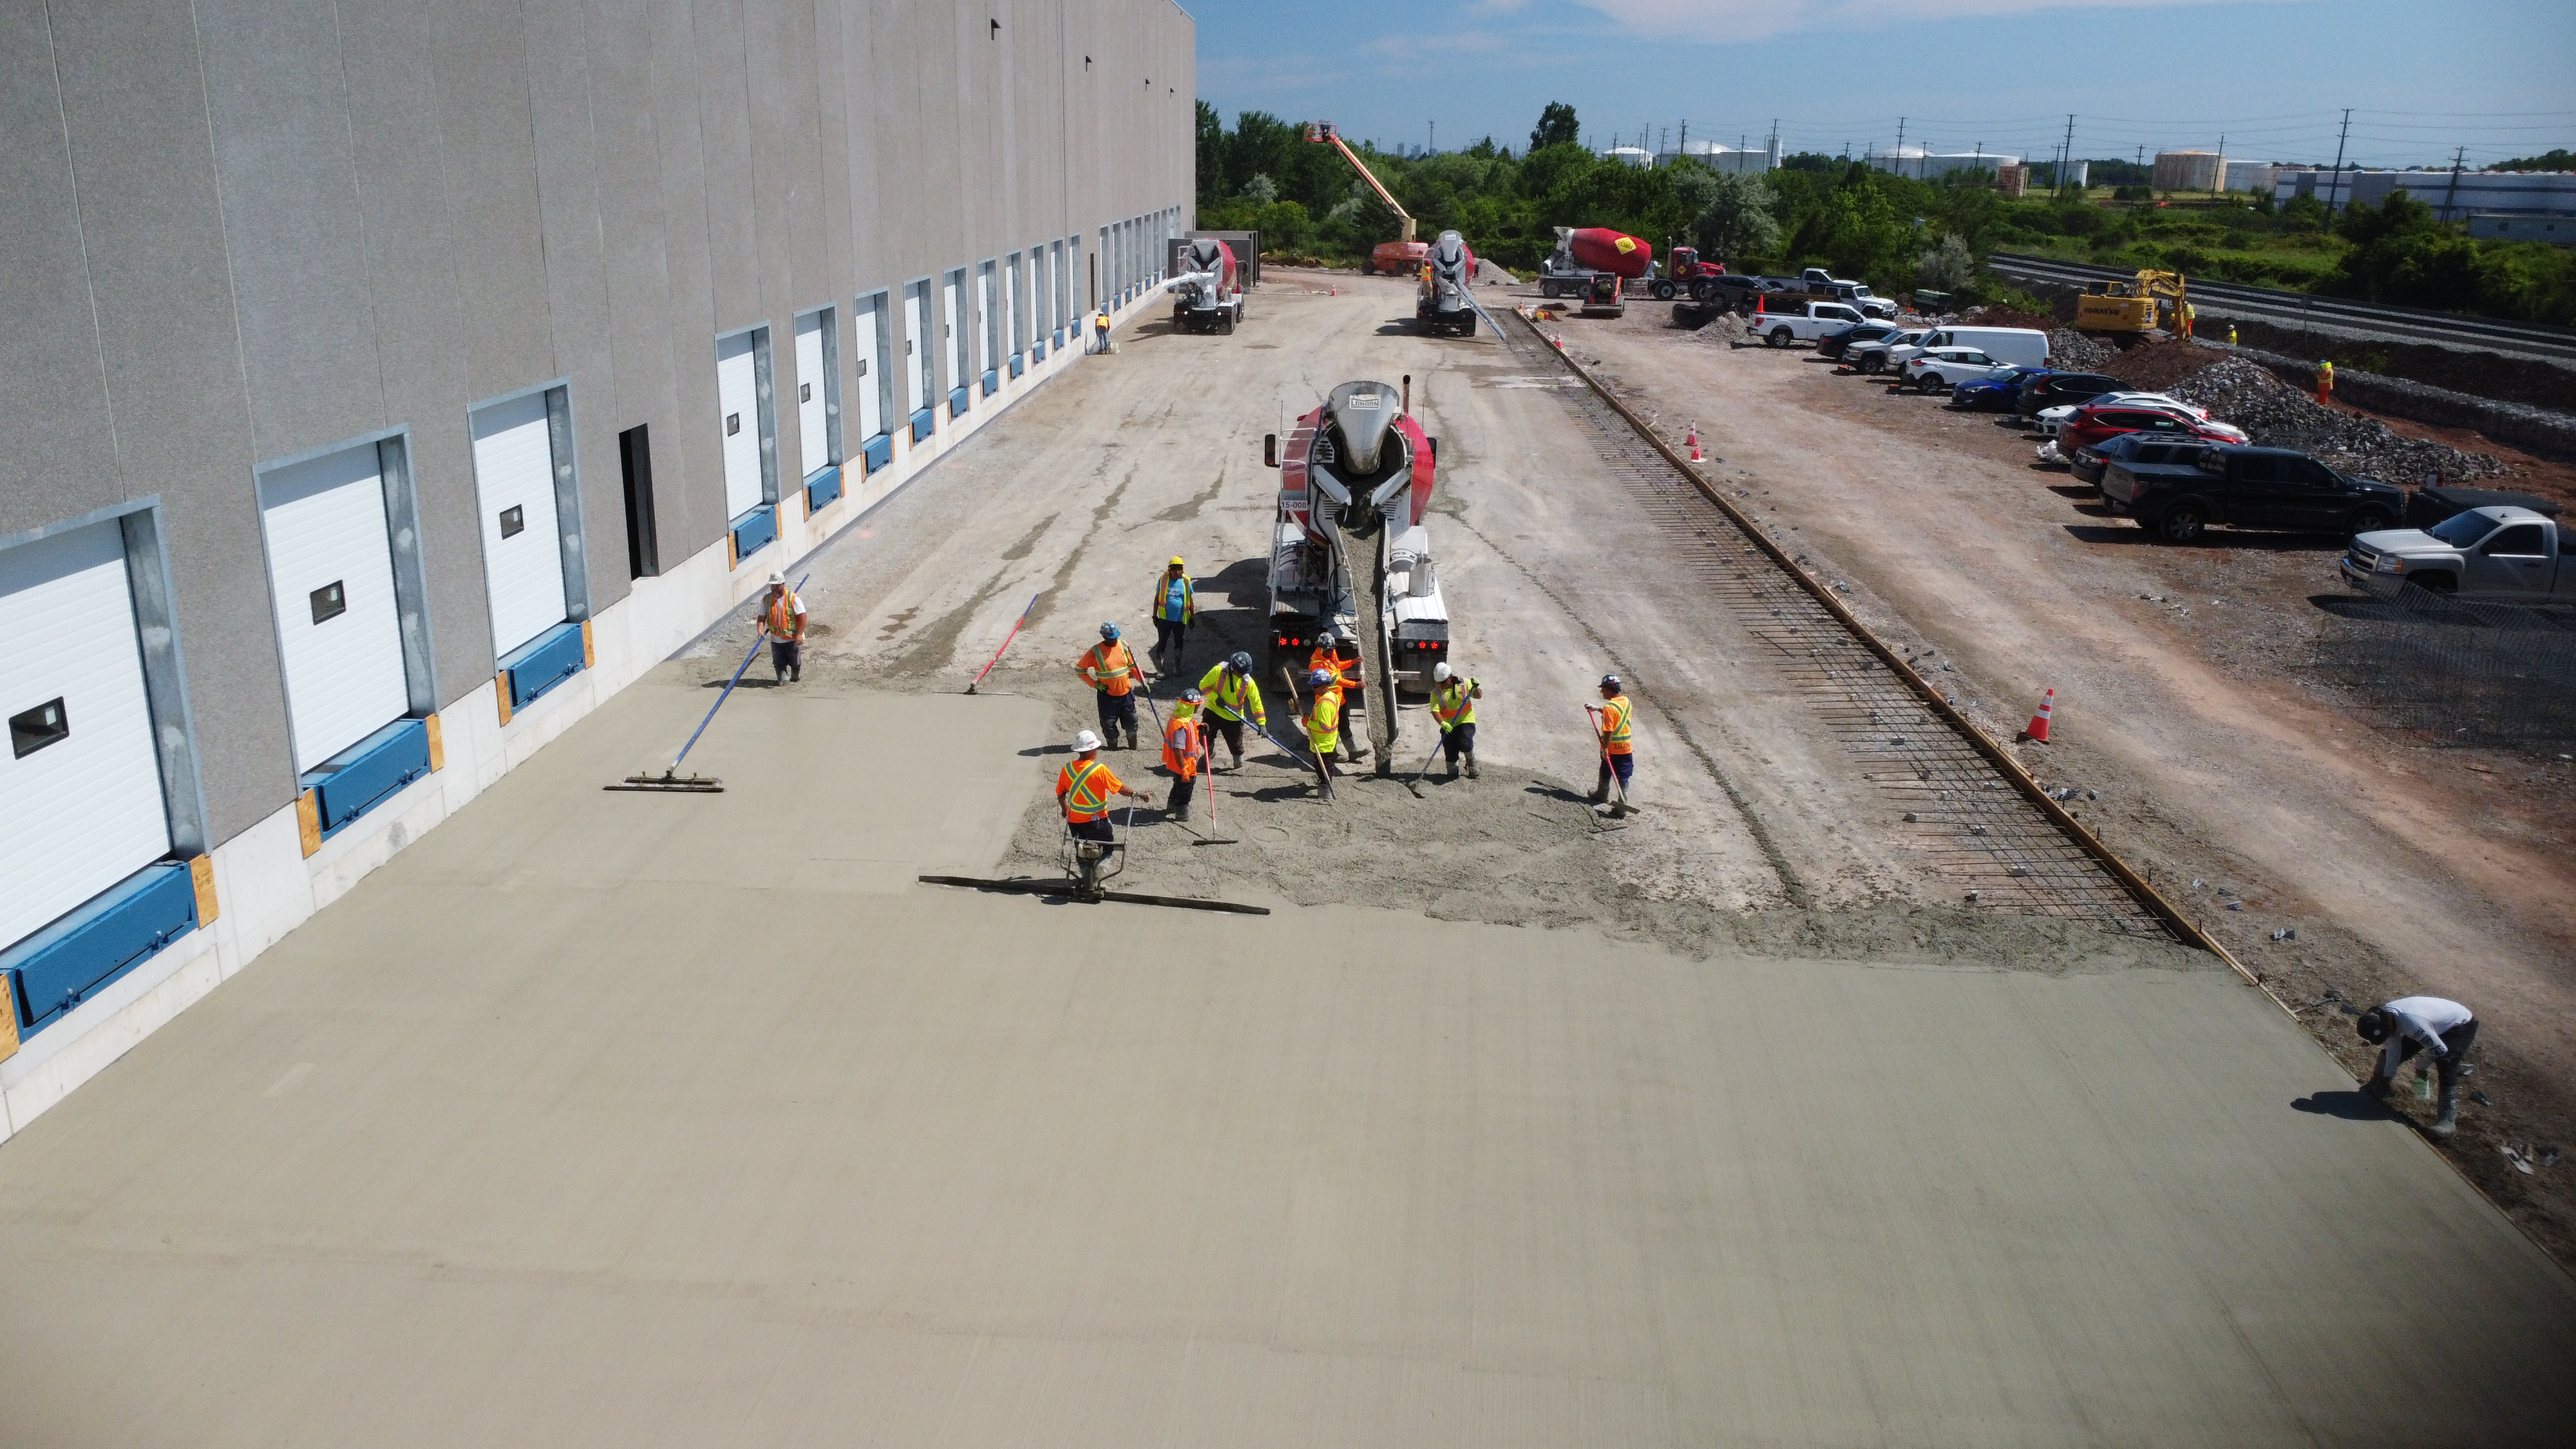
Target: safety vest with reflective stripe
x=1229, y=695
x=1324, y=722
x=1454, y=704
x=1614, y=725
x=781, y=623
x=1176, y=600
x=1110, y=667
x=1085, y=787
x=1181, y=749
x=1345, y=672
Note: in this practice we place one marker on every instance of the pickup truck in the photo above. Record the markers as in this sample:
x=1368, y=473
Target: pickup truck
x=1805, y=323
x=2248, y=488
x=1824, y=286
x=2494, y=552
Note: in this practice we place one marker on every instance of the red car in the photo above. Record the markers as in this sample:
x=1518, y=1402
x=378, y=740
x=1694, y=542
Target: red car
x=2092, y=425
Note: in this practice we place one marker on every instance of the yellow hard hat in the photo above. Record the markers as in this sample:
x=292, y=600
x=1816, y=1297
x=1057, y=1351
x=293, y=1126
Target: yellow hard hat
x=1176, y=562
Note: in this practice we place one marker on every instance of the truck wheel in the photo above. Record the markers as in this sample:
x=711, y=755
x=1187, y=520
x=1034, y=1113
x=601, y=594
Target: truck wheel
x=1547, y=289
x=1780, y=337
x=1874, y=363
x=1664, y=291
x=1368, y=267
x=2371, y=520
x=2182, y=522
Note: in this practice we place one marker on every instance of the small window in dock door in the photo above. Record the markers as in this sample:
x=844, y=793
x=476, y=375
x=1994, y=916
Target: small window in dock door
x=31, y=730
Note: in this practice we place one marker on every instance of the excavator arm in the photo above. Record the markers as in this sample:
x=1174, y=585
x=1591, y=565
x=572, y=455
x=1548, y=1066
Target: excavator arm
x=1322, y=132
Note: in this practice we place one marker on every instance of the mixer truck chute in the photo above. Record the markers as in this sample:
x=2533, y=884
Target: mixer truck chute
x=1209, y=295
x=1355, y=483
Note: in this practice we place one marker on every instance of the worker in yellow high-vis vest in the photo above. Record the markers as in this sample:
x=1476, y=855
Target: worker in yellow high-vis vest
x=1176, y=607
x=1323, y=725
x=1613, y=719
x=1453, y=706
x=1232, y=697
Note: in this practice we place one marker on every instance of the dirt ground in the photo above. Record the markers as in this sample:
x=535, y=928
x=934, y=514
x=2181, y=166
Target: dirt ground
x=2188, y=686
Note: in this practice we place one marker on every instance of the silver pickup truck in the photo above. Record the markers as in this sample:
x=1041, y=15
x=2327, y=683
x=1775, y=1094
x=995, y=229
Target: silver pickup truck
x=2495, y=552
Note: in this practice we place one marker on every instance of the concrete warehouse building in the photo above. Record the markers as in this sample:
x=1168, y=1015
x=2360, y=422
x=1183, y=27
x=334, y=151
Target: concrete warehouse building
x=1923, y=164
x=383, y=388
x=2452, y=195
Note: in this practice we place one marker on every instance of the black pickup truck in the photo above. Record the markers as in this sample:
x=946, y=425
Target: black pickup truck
x=2248, y=488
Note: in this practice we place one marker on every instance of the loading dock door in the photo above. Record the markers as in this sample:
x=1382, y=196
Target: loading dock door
x=953, y=340
x=514, y=480
x=331, y=572
x=917, y=386
x=80, y=788
x=738, y=411
x=869, y=324
x=813, y=396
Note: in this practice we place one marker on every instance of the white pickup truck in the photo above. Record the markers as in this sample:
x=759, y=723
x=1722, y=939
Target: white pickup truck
x=2497, y=552
x=1803, y=322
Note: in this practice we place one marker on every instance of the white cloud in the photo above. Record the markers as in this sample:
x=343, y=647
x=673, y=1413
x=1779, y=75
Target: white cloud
x=1758, y=19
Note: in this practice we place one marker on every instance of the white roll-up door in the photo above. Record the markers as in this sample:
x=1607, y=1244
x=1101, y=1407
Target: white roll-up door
x=80, y=788
x=952, y=299
x=917, y=386
x=738, y=413
x=813, y=388
x=869, y=324
x=331, y=571
x=514, y=478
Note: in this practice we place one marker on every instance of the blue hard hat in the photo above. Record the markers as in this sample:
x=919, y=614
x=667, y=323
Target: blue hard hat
x=1108, y=631
x=1320, y=676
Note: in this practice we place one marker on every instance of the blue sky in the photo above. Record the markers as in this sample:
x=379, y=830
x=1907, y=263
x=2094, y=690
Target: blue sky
x=2272, y=76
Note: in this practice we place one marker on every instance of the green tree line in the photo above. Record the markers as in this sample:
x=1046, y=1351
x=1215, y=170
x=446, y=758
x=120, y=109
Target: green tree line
x=1893, y=232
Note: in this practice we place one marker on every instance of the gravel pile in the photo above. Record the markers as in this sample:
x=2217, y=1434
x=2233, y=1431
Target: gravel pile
x=1726, y=331
x=2280, y=416
x=2072, y=351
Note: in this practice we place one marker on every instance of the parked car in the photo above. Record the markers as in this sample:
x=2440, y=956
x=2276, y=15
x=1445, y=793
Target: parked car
x=2088, y=462
x=2021, y=346
x=2095, y=424
x=1879, y=354
x=1834, y=344
x=1808, y=322
x=2248, y=488
x=2052, y=419
x=1991, y=394
x=1728, y=292
x=2495, y=551
x=1935, y=369
x=2056, y=389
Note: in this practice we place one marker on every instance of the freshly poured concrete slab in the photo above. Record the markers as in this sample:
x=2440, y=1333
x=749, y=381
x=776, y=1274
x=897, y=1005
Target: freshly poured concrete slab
x=631, y=1120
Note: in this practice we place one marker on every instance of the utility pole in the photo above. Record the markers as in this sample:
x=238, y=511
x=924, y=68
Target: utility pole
x=1685, y=135
x=2218, y=183
x=2336, y=185
x=2457, y=157
x=1898, y=155
x=2066, y=152
x=1434, y=147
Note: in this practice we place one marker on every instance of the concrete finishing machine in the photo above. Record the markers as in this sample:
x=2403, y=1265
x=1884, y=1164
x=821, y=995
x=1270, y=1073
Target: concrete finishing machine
x=1355, y=483
x=1447, y=302
x=1209, y=296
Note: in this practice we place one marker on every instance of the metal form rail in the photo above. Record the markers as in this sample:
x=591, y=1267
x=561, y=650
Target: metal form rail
x=2267, y=304
x=1983, y=820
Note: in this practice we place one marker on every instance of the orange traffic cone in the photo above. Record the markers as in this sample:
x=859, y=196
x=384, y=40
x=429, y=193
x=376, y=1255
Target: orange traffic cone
x=1694, y=442
x=2037, y=730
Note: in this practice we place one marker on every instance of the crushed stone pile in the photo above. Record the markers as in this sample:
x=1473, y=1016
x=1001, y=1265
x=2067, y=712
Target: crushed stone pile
x=2278, y=415
x=1726, y=331
x=2072, y=351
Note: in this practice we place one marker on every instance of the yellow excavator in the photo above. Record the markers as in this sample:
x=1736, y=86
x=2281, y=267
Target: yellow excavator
x=2154, y=300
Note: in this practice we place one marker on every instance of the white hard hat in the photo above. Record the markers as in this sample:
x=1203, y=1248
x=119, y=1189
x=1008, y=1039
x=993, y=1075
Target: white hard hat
x=777, y=580
x=1440, y=671
x=1085, y=742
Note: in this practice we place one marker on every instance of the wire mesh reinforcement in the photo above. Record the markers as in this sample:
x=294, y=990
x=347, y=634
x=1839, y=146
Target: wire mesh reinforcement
x=1972, y=826
x=2464, y=672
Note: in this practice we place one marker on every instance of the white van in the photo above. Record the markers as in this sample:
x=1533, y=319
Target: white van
x=2013, y=346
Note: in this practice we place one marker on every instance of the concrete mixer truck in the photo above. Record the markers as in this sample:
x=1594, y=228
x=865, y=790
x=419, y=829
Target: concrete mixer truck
x=1349, y=545
x=1208, y=296
x=1447, y=301
x=1595, y=263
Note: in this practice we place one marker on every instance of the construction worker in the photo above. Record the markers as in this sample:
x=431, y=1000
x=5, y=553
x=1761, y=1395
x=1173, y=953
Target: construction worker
x=1230, y=697
x=1617, y=744
x=1100, y=330
x=1109, y=667
x=2410, y=1024
x=1323, y=724
x=2231, y=334
x=1176, y=607
x=2325, y=382
x=1453, y=705
x=1184, y=750
x=1083, y=788
x=1346, y=678
x=782, y=623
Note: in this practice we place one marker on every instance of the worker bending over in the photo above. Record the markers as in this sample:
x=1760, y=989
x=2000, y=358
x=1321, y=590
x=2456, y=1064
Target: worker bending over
x=1323, y=716
x=782, y=623
x=1083, y=788
x=1110, y=669
x=1184, y=750
x=1346, y=677
x=1453, y=705
x=1176, y=606
x=1232, y=697
x=2410, y=1024
x=1618, y=755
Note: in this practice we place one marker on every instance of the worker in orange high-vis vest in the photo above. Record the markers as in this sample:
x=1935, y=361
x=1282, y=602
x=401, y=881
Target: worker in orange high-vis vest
x=1084, y=788
x=1614, y=719
x=782, y=623
x=1110, y=668
x=1184, y=750
x=1346, y=672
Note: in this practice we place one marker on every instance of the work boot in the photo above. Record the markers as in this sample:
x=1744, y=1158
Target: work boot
x=2446, y=1116
x=1600, y=795
x=1453, y=769
x=1471, y=764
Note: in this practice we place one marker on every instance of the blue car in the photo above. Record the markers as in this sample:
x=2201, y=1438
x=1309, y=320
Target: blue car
x=1994, y=394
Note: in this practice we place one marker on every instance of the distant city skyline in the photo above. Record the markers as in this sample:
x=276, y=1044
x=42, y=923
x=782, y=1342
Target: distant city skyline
x=2269, y=78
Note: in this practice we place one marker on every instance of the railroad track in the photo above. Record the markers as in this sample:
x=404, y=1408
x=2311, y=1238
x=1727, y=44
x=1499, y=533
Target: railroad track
x=2266, y=304
x=1982, y=820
